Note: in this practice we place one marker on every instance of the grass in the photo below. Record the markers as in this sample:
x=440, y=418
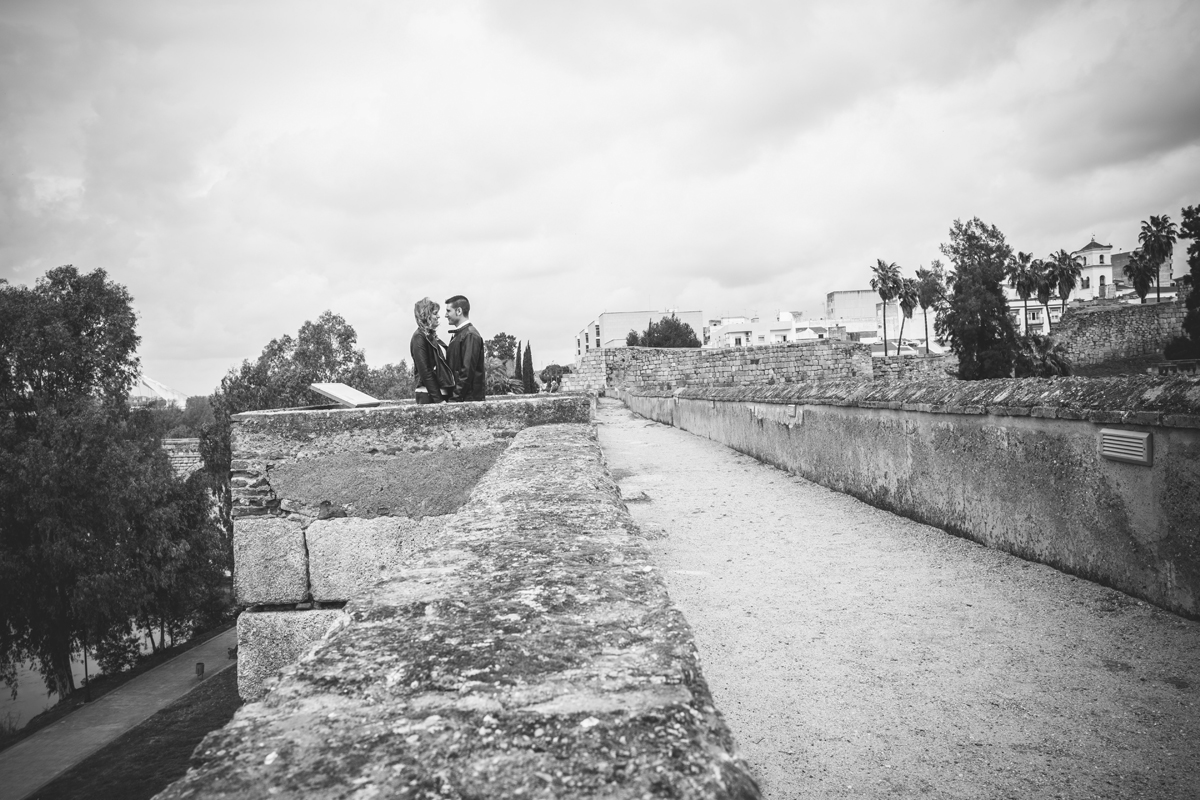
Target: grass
x=100, y=686
x=145, y=760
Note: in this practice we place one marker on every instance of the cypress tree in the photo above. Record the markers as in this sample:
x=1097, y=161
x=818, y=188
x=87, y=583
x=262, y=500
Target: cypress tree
x=527, y=372
x=517, y=363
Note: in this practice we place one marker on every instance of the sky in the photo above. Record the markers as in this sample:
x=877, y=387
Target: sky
x=242, y=167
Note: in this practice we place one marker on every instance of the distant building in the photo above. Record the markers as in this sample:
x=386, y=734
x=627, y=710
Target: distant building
x=147, y=390
x=611, y=328
x=851, y=304
x=786, y=326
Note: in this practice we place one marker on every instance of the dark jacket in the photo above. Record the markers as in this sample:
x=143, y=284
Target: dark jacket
x=424, y=358
x=465, y=354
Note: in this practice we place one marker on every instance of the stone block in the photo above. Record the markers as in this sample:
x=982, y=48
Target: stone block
x=268, y=641
x=348, y=555
x=270, y=563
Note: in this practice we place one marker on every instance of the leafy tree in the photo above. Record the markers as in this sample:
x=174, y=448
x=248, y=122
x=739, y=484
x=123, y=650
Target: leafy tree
x=527, y=377
x=1040, y=357
x=908, y=299
x=886, y=281
x=1157, y=237
x=389, y=382
x=931, y=291
x=552, y=375
x=631, y=339
x=1188, y=345
x=1023, y=277
x=1141, y=271
x=93, y=527
x=976, y=322
x=501, y=346
x=1064, y=274
x=517, y=367
x=1045, y=284
x=669, y=331
x=496, y=375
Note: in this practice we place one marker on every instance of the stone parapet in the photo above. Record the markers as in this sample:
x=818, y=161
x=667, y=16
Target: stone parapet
x=533, y=653
x=892, y=369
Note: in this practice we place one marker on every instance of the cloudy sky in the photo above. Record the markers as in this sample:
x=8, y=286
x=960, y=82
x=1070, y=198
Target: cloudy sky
x=242, y=167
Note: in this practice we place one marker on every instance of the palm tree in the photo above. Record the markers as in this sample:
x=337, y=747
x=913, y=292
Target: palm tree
x=1064, y=271
x=1023, y=277
x=1158, y=238
x=1141, y=271
x=931, y=288
x=887, y=283
x=908, y=297
x=1044, y=283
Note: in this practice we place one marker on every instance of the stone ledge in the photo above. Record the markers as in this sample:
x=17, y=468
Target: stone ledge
x=1145, y=400
x=534, y=653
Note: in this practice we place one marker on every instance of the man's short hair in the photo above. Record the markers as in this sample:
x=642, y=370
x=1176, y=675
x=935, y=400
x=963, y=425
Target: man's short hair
x=461, y=303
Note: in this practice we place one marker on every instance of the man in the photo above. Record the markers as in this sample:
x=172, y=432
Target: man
x=465, y=352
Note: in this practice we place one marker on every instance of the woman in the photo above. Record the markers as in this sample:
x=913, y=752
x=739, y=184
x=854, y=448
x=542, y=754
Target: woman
x=433, y=376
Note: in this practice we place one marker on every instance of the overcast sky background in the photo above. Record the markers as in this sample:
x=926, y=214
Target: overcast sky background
x=242, y=167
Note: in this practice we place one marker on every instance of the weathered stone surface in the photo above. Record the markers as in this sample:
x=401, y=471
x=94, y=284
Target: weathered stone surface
x=270, y=640
x=1095, y=333
x=270, y=563
x=348, y=555
x=533, y=653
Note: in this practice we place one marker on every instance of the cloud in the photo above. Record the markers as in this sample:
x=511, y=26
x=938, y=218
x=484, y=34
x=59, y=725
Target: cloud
x=244, y=167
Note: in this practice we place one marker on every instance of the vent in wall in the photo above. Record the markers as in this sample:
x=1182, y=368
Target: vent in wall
x=1133, y=447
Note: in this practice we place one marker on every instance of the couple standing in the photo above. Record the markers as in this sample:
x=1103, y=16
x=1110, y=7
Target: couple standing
x=447, y=373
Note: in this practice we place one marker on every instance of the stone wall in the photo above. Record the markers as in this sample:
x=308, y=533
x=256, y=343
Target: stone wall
x=1012, y=464
x=1092, y=334
x=327, y=502
x=915, y=368
x=533, y=653
x=766, y=365
x=184, y=455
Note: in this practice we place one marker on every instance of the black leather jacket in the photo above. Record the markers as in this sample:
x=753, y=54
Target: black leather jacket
x=424, y=364
x=465, y=354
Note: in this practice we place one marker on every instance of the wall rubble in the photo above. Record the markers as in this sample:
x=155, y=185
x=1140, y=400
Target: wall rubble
x=1012, y=464
x=533, y=653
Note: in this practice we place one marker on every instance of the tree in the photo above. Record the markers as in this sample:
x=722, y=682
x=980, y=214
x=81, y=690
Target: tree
x=670, y=331
x=631, y=339
x=976, y=322
x=1141, y=272
x=1064, y=274
x=501, y=346
x=887, y=282
x=908, y=299
x=517, y=366
x=552, y=375
x=527, y=377
x=1023, y=277
x=1044, y=283
x=1188, y=345
x=496, y=375
x=1040, y=357
x=95, y=527
x=1157, y=238
x=931, y=291
x=389, y=382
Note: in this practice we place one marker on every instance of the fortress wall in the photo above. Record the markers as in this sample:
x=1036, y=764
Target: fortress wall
x=533, y=652
x=1011, y=464
x=766, y=365
x=327, y=502
x=1093, y=334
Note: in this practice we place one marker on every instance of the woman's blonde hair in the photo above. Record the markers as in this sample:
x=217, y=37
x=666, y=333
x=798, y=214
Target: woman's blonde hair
x=426, y=312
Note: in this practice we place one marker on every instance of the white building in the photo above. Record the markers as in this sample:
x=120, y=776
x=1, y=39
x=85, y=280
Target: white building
x=786, y=326
x=612, y=327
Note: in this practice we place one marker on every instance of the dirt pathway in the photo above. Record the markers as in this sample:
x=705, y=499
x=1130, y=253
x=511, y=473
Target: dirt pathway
x=859, y=654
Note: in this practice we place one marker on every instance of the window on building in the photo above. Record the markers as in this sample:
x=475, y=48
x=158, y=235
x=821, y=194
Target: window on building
x=1055, y=314
x=1102, y=258
x=737, y=341
x=762, y=338
x=1101, y=280
x=1035, y=315
x=1085, y=283
x=587, y=338
x=597, y=334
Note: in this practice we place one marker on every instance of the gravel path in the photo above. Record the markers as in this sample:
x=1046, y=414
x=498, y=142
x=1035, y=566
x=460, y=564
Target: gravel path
x=860, y=654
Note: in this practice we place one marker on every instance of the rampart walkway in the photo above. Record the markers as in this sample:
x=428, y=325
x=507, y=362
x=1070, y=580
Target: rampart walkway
x=855, y=653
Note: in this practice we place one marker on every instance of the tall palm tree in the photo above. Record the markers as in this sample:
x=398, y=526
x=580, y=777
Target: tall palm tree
x=1158, y=239
x=1044, y=282
x=908, y=297
x=931, y=288
x=1141, y=271
x=1023, y=277
x=1065, y=271
x=887, y=283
